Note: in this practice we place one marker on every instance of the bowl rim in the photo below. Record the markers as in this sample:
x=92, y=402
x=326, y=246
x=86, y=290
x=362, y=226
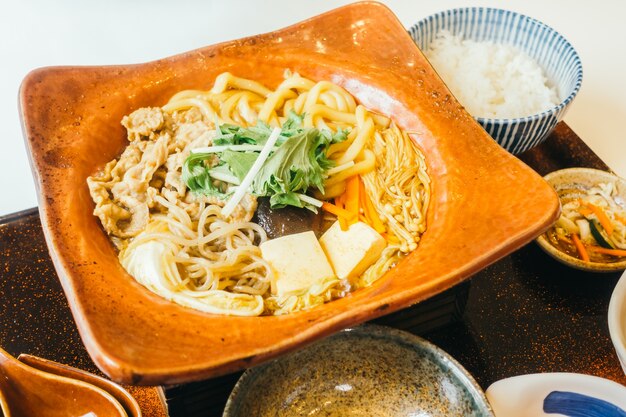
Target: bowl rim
x=577, y=63
x=369, y=329
x=568, y=259
x=617, y=332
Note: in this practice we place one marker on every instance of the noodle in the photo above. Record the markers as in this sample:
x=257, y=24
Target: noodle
x=179, y=245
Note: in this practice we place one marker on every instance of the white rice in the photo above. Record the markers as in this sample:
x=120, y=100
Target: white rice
x=491, y=80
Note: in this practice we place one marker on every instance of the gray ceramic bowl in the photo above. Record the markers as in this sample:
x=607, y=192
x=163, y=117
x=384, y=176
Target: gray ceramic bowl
x=365, y=371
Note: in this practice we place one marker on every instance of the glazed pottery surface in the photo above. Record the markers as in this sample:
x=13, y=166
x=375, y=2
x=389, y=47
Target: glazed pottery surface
x=479, y=210
x=365, y=371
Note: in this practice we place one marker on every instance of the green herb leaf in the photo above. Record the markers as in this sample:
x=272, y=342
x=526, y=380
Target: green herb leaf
x=294, y=121
x=237, y=135
x=239, y=162
x=296, y=165
x=285, y=199
x=196, y=175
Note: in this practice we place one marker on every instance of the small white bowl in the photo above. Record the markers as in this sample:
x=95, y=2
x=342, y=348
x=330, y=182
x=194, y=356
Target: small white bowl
x=538, y=395
x=617, y=320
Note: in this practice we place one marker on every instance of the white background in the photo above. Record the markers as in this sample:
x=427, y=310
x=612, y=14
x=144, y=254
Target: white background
x=35, y=33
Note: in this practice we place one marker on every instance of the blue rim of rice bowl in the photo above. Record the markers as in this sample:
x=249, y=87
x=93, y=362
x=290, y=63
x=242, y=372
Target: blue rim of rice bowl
x=563, y=44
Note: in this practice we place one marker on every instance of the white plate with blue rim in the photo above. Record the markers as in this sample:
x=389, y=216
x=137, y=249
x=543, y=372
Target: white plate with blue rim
x=557, y=394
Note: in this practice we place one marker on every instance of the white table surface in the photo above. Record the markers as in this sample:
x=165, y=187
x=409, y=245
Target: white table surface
x=35, y=33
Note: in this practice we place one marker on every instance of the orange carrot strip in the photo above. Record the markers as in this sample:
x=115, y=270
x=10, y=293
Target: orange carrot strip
x=585, y=211
x=377, y=224
x=352, y=196
x=340, y=212
x=604, y=220
x=614, y=252
x=581, y=248
x=343, y=220
x=363, y=202
x=370, y=211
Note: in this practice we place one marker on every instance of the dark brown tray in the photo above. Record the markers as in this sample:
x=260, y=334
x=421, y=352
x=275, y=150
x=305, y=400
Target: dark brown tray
x=526, y=313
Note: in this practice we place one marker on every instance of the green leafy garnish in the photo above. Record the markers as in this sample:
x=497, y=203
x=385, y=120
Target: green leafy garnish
x=196, y=175
x=297, y=163
x=239, y=162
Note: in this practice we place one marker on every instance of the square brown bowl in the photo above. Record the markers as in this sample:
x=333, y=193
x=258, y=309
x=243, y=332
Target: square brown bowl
x=485, y=202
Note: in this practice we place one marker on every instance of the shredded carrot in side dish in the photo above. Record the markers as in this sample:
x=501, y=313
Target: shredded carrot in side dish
x=581, y=248
x=585, y=211
x=614, y=252
x=602, y=217
x=564, y=239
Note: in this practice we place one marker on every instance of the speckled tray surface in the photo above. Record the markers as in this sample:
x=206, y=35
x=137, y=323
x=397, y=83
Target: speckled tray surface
x=526, y=313
x=34, y=315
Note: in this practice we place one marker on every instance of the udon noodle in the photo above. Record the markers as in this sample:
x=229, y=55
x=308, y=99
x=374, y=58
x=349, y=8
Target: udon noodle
x=182, y=246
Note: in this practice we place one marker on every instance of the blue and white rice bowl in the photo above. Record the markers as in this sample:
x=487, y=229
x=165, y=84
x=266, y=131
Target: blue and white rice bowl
x=556, y=56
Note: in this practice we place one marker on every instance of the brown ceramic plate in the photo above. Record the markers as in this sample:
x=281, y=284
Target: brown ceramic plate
x=485, y=203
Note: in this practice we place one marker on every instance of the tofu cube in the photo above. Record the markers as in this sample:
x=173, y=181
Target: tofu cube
x=351, y=252
x=298, y=263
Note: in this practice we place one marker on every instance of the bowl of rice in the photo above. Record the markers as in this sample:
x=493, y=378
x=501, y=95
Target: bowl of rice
x=515, y=75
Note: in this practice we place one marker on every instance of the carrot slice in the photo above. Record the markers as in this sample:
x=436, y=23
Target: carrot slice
x=352, y=196
x=614, y=252
x=370, y=212
x=564, y=239
x=363, y=202
x=581, y=248
x=340, y=212
x=344, y=222
x=602, y=217
x=585, y=211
